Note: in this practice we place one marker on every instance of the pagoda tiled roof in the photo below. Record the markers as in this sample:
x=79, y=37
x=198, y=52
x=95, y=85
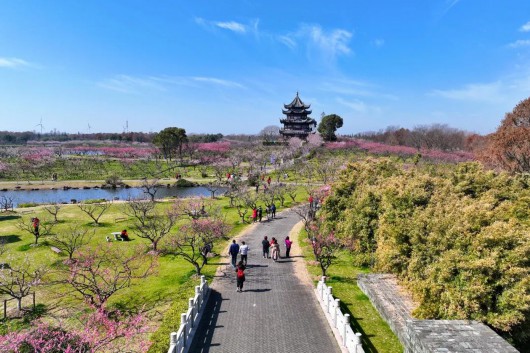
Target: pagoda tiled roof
x=297, y=104
x=306, y=120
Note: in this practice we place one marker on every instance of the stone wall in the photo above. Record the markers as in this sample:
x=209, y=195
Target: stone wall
x=427, y=336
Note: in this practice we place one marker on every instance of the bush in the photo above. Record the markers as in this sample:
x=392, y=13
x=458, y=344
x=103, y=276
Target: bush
x=184, y=183
x=113, y=180
x=29, y=204
x=91, y=201
x=457, y=237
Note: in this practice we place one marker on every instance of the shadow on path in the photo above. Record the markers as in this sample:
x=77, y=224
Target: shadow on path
x=208, y=324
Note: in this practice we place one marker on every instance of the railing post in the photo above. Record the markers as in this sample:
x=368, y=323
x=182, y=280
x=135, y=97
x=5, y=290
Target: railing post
x=192, y=318
x=173, y=341
x=184, y=329
x=328, y=295
x=337, y=308
x=345, y=329
x=198, y=294
x=357, y=340
x=323, y=287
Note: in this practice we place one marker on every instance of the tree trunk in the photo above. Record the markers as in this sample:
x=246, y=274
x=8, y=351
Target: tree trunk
x=197, y=268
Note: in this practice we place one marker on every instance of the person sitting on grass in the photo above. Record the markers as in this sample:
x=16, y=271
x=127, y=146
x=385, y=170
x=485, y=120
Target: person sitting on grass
x=124, y=235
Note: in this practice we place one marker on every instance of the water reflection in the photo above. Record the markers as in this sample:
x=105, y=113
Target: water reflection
x=66, y=196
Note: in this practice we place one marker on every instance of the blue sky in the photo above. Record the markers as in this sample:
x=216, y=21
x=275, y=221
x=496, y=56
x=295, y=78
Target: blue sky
x=229, y=65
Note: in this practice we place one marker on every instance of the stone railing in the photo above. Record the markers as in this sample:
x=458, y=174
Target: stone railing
x=180, y=341
x=337, y=320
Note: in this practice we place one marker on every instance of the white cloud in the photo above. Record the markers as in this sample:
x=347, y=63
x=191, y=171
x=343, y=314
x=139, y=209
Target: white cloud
x=217, y=81
x=13, y=63
x=135, y=85
x=525, y=27
x=444, y=8
x=131, y=84
x=379, y=42
x=505, y=91
x=288, y=41
x=232, y=26
x=354, y=104
x=451, y=3
x=519, y=43
x=328, y=45
x=355, y=88
x=332, y=43
x=473, y=92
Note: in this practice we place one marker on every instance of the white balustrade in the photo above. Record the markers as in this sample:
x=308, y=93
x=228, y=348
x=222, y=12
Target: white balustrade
x=179, y=342
x=331, y=307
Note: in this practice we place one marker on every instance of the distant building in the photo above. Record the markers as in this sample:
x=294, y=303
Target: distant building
x=297, y=123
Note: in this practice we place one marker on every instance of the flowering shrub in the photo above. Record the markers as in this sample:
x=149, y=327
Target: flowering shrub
x=217, y=147
x=114, y=152
x=379, y=148
x=102, y=332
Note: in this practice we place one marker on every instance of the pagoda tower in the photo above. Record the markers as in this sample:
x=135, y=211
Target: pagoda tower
x=297, y=123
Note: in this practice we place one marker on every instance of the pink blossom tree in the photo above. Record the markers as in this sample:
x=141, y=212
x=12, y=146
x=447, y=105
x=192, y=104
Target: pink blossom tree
x=97, y=274
x=193, y=240
x=324, y=244
x=101, y=332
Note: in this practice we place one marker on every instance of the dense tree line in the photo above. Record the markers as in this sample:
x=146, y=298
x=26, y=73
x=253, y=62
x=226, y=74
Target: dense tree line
x=435, y=136
x=458, y=239
x=509, y=147
x=22, y=138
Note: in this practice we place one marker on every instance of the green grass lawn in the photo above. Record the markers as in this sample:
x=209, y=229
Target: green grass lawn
x=342, y=276
x=164, y=295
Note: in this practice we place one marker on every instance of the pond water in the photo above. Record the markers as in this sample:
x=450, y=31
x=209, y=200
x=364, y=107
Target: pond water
x=66, y=196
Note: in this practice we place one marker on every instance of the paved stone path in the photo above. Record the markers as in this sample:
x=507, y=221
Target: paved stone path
x=276, y=313
x=427, y=336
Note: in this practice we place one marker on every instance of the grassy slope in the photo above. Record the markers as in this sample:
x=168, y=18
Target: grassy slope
x=342, y=276
x=165, y=295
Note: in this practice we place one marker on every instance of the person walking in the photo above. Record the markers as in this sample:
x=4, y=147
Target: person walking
x=240, y=276
x=266, y=245
x=254, y=214
x=243, y=250
x=233, y=251
x=288, y=244
x=260, y=213
x=273, y=210
x=275, y=249
x=36, y=224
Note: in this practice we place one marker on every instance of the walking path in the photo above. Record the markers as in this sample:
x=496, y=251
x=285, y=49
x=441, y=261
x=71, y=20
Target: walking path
x=277, y=311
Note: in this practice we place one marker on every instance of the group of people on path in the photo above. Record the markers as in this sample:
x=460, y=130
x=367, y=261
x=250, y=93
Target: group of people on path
x=271, y=249
x=257, y=213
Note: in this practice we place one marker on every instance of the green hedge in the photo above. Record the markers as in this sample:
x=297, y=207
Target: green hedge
x=457, y=237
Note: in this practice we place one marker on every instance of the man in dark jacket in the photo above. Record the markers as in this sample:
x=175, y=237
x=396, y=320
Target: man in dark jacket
x=233, y=251
x=266, y=246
